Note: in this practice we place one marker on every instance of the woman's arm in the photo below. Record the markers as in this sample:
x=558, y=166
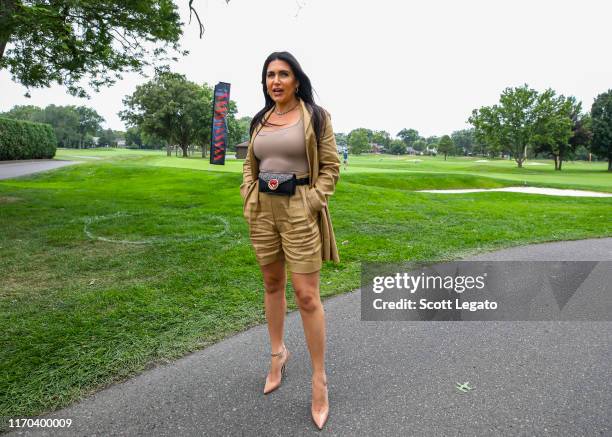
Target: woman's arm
x=329, y=168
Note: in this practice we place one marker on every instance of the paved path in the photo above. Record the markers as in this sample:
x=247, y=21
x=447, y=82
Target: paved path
x=385, y=378
x=13, y=169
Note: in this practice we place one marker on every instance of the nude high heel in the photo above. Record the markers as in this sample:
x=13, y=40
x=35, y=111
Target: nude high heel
x=267, y=387
x=321, y=417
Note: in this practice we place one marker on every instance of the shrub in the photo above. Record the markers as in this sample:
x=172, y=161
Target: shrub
x=26, y=140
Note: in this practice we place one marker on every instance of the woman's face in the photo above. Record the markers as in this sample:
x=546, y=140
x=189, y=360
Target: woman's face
x=280, y=81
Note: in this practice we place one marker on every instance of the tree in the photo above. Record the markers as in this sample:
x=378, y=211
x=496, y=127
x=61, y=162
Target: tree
x=73, y=125
x=408, y=136
x=77, y=39
x=601, y=115
x=446, y=145
x=419, y=145
x=464, y=141
x=106, y=138
x=244, y=124
x=358, y=141
x=89, y=122
x=510, y=124
x=170, y=107
x=234, y=131
x=341, y=140
x=553, y=127
x=26, y=112
x=432, y=140
x=381, y=137
x=582, y=134
x=397, y=147
x=133, y=138
x=65, y=122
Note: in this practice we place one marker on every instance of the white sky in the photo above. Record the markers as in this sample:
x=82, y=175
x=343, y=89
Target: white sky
x=385, y=64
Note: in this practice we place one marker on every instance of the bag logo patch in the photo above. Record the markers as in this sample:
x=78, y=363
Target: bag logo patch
x=273, y=184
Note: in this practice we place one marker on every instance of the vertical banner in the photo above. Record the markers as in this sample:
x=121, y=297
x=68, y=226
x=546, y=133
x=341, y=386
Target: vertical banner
x=218, y=139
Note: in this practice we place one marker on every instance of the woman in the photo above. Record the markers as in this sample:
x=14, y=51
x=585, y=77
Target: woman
x=291, y=136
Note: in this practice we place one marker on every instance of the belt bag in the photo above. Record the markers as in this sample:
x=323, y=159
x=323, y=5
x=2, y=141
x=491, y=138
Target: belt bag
x=277, y=183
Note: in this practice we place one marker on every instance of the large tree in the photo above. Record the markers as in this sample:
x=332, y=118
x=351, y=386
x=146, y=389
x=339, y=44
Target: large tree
x=601, y=116
x=65, y=41
x=408, y=136
x=509, y=125
x=177, y=110
x=358, y=141
x=26, y=112
x=89, y=123
x=381, y=137
x=397, y=147
x=553, y=128
x=464, y=140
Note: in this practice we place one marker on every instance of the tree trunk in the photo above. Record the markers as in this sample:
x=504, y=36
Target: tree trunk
x=168, y=150
x=556, y=162
x=609, y=163
x=7, y=8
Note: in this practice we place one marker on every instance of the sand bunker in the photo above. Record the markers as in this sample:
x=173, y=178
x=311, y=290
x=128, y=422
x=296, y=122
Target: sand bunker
x=536, y=163
x=528, y=190
x=482, y=160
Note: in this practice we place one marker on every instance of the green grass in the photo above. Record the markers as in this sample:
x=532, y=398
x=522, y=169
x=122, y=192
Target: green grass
x=79, y=313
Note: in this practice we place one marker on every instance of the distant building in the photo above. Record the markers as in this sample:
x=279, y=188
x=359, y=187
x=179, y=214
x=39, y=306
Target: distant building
x=121, y=143
x=241, y=150
x=377, y=148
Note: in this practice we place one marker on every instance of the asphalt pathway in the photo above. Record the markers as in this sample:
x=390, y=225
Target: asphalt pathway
x=13, y=169
x=385, y=378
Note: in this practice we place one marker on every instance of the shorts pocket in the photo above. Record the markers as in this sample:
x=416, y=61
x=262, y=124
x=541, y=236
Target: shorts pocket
x=310, y=213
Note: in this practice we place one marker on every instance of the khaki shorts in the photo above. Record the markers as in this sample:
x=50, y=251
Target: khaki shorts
x=285, y=227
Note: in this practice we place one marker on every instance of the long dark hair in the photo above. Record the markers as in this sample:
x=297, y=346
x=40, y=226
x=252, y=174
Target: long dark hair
x=304, y=92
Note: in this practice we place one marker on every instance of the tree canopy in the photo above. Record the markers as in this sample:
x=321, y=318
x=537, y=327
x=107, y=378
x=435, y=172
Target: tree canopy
x=65, y=41
x=74, y=126
x=601, y=115
x=177, y=110
x=524, y=118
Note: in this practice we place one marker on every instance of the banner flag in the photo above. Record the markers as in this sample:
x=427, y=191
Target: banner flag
x=218, y=138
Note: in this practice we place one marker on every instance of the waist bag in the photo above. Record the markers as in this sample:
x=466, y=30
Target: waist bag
x=279, y=183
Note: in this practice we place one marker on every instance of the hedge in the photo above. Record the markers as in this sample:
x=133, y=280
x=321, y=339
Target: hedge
x=26, y=140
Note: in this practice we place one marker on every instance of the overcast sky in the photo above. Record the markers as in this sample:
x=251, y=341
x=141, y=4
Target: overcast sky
x=385, y=65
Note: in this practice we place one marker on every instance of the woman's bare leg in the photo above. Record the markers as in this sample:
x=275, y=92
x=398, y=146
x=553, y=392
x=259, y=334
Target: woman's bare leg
x=275, y=280
x=306, y=286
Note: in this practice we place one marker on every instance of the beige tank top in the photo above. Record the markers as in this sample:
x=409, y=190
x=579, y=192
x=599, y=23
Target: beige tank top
x=283, y=150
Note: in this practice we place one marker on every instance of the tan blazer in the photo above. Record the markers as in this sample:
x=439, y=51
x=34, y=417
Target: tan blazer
x=324, y=170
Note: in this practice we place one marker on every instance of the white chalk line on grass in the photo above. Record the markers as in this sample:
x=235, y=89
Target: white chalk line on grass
x=527, y=190
x=95, y=219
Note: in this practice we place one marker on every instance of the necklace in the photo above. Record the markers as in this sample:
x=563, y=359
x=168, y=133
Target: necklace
x=286, y=112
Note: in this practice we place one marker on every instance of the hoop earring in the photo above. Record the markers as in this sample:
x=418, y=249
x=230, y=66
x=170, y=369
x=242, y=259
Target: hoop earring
x=297, y=89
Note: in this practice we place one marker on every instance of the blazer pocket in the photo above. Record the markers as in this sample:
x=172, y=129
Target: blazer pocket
x=313, y=202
